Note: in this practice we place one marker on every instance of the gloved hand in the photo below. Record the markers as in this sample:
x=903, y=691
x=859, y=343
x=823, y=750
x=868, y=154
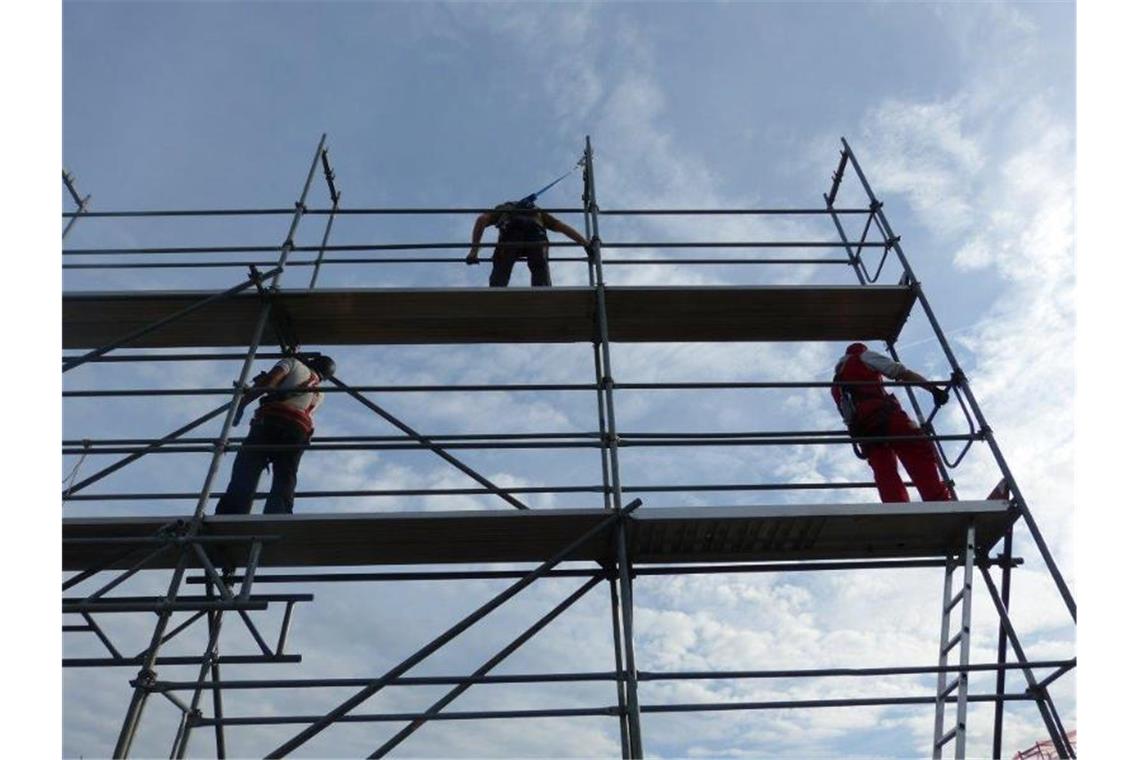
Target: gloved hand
x=940, y=396
x=472, y=258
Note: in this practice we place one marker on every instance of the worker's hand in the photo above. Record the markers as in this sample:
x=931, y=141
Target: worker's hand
x=473, y=257
x=589, y=249
x=940, y=396
x=240, y=412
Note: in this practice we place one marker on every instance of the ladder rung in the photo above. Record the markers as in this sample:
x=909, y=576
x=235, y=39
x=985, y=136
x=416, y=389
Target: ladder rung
x=952, y=643
x=947, y=737
x=951, y=687
x=954, y=602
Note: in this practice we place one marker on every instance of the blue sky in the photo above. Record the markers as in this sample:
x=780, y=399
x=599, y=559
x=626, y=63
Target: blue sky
x=963, y=116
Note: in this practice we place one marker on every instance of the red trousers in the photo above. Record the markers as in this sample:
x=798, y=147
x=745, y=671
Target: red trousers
x=919, y=457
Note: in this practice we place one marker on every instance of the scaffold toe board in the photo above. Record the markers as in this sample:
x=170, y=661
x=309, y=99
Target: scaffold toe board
x=656, y=535
x=497, y=315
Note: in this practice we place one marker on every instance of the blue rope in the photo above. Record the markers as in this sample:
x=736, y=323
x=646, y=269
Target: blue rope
x=530, y=199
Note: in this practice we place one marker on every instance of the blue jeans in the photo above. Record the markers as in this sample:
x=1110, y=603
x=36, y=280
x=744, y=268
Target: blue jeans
x=250, y=462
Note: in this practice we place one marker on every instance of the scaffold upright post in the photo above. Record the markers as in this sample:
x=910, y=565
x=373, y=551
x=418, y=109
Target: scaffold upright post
x=141, y=692
x=334, y=198
x=1003, y=641
x=624, y=596
x=589, y=213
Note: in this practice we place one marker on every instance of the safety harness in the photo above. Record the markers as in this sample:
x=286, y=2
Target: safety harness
x=522, y=219
x=273, y=403
x=847, y=401
x=520, y=222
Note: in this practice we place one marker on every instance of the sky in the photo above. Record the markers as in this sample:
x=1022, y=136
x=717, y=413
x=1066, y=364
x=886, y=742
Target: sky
x=963, y=116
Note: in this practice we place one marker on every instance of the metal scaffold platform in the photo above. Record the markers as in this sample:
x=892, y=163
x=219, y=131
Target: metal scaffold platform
x=665, y=534
x=215, y=562
x=500, y=315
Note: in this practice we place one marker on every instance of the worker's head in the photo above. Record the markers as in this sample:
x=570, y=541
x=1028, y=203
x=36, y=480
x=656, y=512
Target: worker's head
x=855, y=349
x=323, y=365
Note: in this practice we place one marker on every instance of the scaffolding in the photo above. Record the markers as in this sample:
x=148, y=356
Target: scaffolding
x=216, y=564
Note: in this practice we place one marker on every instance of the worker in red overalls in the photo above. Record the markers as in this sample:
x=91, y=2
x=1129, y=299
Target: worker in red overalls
x=869, y=410
x=278, y=435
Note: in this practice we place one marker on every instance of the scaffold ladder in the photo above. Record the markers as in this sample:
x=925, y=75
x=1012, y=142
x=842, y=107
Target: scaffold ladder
x=961, y=640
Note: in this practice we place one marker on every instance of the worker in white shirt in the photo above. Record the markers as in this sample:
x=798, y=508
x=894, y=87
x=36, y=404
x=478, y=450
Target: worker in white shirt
x=283, y=425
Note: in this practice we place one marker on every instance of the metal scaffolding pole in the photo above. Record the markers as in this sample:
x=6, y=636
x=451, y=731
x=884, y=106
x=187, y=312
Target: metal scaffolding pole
x=429, y=444
x=146, y=674
x=624, y=596
x=334, y=196
x=999, y=686
x=209, y=666
x=609, y=501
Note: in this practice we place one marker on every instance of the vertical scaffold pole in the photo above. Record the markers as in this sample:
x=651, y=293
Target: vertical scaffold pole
x=209, y=666
x=334, y=197
x=146, y=673
x=987, y=432
x=607, y=492
x=631, y=710
x=590, y=217
x=1003, y=641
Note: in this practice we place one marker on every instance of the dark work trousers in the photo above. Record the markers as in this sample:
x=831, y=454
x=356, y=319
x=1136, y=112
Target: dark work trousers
x=504, y=258
x=266, y=430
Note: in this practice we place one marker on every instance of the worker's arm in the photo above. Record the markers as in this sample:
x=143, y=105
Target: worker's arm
x=940, y=395
x=263, y=383
x=481, y=223
x=553, y=223
x=897, y=371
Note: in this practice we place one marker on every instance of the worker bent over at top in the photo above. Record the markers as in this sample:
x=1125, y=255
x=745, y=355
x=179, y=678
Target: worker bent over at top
x=868, y=410
x=284, y=418
x=522, y=235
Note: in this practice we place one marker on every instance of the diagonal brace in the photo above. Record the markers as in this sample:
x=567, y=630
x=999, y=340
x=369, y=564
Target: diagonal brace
x=228, y=596
x=384, y=680
x=143, y=452
x=486, y=667
x=427, y=442
x=1040, y=694
x=96, y=353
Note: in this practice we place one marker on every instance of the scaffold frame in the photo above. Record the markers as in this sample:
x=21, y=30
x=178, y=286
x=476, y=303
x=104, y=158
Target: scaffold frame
x=229, y=563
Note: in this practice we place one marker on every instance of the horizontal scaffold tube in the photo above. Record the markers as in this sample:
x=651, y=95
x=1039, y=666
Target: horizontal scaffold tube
x=684, y=487
x=582, y=712
x=535, y=445
x=482, y=388
x=646, y=570
x=321, y=683
x=417, y=211
x=455, y=246
x=447, y=260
